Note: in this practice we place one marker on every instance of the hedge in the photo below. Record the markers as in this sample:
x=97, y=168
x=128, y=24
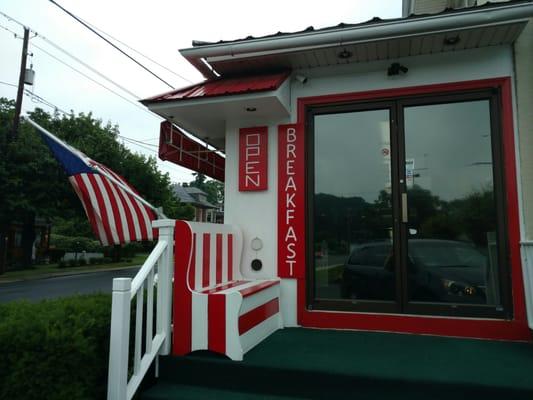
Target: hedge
x=55, y=349
x=75, y=243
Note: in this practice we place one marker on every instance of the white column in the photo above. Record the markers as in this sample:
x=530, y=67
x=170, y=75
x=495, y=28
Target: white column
x=165, y=272
x=119, y=341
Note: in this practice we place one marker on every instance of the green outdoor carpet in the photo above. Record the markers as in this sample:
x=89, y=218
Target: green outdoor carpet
x=326, y=364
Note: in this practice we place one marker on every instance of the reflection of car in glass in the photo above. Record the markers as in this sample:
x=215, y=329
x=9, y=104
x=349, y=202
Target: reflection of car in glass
x=438, y=270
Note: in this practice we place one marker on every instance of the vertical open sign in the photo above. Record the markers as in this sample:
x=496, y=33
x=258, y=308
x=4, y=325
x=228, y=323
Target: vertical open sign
x=253, y=158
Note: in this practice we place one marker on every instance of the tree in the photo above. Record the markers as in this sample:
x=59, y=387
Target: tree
x=33, y=183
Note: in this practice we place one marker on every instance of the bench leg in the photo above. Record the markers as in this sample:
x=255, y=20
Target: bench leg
x=233, y=343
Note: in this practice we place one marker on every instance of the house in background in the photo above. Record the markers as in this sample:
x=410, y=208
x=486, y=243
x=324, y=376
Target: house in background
x=14, y=248
x=204, y=211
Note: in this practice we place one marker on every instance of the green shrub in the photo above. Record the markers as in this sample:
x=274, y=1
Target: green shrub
x=74, y=244
x=73, y=263
x=61, y=264
x=82, y=262
x=55, y=349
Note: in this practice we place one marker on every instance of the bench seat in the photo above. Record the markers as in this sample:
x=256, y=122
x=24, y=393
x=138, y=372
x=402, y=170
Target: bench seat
x=215, y=307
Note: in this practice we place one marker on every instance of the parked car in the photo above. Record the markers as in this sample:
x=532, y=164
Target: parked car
x=438, y=271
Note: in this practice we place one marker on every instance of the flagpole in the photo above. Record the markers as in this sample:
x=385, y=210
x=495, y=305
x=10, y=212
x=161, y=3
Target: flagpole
x=96, y=167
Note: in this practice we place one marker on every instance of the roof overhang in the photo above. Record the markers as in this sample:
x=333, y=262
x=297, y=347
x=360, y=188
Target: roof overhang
x=493, y=24
x=206, y=116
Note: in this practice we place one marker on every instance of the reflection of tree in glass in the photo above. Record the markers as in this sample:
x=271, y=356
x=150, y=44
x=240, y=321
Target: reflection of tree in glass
x=466, y=219
x=344, y=221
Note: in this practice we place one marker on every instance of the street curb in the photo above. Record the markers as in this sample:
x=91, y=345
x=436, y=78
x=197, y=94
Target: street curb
x=69, y=273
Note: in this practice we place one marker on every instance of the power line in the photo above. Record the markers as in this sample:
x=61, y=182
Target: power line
x=7, y=29
x=8, y=84
x=111, y=43
x=137, y=51
x=95, y=81
x=138, y=141
x=36, y=98
x=88, y=67
x=86, y=76
x=55, y=45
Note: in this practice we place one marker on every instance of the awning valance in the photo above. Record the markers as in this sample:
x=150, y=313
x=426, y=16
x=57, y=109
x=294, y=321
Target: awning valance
x=177, y=147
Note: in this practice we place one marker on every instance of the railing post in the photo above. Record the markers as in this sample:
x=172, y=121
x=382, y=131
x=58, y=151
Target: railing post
x=119, y=341
x=165, y=272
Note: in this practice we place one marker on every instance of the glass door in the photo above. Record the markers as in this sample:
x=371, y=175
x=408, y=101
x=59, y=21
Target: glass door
x=354, y=231
x=452, y=233
x=406, y=207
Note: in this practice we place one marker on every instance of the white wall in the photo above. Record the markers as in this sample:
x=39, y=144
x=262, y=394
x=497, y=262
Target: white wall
x=256, y=212
x=488, y=62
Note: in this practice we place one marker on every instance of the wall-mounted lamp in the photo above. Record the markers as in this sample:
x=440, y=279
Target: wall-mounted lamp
x=301, y=78
x=256, y=244
x=345, y=54
x=396, y=68
x=452, y=40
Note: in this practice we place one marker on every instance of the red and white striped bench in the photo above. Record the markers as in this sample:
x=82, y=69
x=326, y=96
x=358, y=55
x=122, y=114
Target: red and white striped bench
x=215, y=308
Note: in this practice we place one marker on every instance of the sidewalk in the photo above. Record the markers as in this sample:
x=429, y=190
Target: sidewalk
x=44, y=272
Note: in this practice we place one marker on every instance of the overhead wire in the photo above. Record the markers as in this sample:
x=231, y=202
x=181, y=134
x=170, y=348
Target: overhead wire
x=137, y=51
x=7, y=29
x=110, y=43
x=36, y=98
x=8, y=84
x=92, y=69
x=56, y=46
x=95, y=81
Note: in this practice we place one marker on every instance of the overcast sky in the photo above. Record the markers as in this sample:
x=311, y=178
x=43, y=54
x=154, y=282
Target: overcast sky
x=156, y=28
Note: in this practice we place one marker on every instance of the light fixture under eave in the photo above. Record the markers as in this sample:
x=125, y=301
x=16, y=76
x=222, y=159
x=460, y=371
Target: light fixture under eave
x=345, y=54
x=251, y=109
x=452, y=40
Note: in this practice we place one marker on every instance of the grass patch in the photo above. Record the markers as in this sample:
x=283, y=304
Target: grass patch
x=41, y=271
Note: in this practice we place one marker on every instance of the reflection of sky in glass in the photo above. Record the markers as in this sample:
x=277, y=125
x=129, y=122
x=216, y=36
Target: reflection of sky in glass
x=349, y=161
x=450, y=144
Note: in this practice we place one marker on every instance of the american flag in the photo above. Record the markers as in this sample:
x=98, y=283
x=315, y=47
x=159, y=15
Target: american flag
x=115, y=210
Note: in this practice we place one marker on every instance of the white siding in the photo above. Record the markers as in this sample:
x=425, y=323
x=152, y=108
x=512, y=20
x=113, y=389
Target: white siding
x=524, y=101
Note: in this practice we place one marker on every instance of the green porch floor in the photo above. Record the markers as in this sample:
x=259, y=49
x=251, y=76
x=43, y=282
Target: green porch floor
x=307, y=363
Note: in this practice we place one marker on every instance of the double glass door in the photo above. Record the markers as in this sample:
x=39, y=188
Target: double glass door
x=405, y=207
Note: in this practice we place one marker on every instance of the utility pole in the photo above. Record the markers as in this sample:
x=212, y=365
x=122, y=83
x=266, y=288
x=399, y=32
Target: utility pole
x=20, y=91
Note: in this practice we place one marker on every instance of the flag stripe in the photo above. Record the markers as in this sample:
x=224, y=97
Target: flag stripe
x=128, y=215
x=104, y=197
x=102, y=231
x=131, y=209
x=76, y=183
x=140, y=218
x=115, y=213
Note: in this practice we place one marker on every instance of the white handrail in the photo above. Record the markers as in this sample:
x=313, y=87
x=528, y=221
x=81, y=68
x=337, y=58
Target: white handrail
x=148, y=266
x=124, y=291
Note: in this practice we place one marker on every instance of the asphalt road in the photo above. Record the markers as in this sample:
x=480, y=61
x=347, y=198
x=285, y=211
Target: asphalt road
x=48, y=288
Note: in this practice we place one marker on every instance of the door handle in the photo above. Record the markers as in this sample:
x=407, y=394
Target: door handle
x=405, y=216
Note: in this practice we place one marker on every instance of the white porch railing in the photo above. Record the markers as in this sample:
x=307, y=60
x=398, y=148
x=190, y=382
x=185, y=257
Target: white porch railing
x=527, y=269
x=124, y=291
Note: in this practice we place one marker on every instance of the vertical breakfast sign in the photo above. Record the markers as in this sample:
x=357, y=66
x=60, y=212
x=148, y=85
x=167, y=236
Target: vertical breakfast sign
x=291, y=202
x=253, y=159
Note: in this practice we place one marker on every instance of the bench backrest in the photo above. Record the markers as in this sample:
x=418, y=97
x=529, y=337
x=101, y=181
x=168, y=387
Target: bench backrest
x=207, y=254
